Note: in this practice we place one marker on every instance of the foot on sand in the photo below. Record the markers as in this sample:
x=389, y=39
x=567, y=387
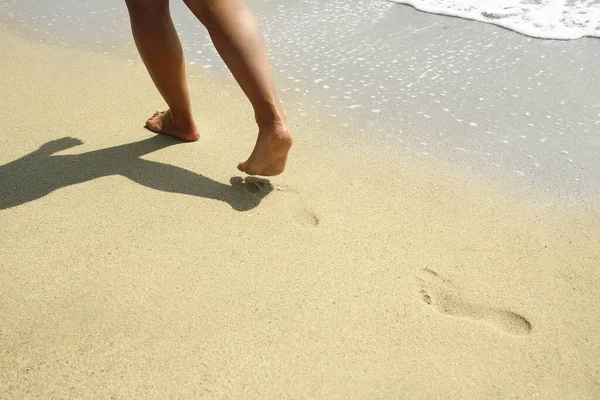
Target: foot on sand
x=270, y=152
x=163, y=122
x=440, y=294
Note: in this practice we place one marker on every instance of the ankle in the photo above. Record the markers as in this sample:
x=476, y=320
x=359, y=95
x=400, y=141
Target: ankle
x=182, y=119
x=269, y=117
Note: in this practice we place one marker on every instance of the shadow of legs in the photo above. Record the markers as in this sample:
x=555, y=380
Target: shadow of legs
x=40, y=172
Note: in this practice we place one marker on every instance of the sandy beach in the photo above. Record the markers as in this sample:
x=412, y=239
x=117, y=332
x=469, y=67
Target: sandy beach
x=136, y=266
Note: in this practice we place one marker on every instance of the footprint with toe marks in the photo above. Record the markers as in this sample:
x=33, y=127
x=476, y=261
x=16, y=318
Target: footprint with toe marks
x=249, y=192
x=441, y=295
x=256, y=185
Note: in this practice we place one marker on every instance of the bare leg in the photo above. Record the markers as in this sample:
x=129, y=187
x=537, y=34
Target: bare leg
x=237, y=38
x=160, y=49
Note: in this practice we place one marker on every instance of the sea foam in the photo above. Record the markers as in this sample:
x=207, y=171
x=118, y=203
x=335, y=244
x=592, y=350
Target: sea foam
x=546, y=19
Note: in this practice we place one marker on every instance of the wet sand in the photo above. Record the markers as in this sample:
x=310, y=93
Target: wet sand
x=134, y=266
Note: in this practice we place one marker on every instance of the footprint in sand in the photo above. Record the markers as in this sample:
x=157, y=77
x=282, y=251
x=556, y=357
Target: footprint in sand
x=302, y=217
x=441, y=295
x=256, y=185
x=306, y=218
x=248, y=193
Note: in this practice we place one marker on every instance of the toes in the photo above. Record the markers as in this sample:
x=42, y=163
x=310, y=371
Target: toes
x=153, y=122
x=152, y=125
x=157, y=114
x=248, y=169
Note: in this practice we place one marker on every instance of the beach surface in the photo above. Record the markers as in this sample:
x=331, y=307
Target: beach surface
x=135, y=266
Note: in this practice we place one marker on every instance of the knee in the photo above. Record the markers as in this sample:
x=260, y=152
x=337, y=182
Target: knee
x=203, y=9
x=145, y=6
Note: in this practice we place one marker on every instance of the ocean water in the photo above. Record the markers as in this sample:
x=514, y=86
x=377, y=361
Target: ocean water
x=519, y=110
x=548, y=19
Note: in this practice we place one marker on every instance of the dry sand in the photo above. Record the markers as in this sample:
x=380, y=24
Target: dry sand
x=133, y=266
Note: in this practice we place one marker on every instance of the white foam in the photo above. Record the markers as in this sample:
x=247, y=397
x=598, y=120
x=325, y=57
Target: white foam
x=546, y=19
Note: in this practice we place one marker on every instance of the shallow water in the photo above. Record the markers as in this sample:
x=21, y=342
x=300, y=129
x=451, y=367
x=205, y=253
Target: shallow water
x=548, y=19
x=520, y=110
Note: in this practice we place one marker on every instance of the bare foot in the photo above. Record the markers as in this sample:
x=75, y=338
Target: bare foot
x=270, y=152
x=163, y=122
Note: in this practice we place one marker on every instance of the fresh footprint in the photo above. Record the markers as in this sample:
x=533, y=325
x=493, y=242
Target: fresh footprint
x=441, y=295
x=256, y=185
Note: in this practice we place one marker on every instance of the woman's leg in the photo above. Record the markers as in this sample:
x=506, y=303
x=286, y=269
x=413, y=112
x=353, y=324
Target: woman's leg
x=160, y=49
x=237, y=38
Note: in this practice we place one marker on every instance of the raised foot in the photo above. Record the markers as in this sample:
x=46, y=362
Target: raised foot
x=270, y=152
x=163, y=122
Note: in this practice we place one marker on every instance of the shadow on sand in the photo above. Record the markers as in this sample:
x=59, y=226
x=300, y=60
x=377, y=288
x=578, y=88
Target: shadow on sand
x=40, y=172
